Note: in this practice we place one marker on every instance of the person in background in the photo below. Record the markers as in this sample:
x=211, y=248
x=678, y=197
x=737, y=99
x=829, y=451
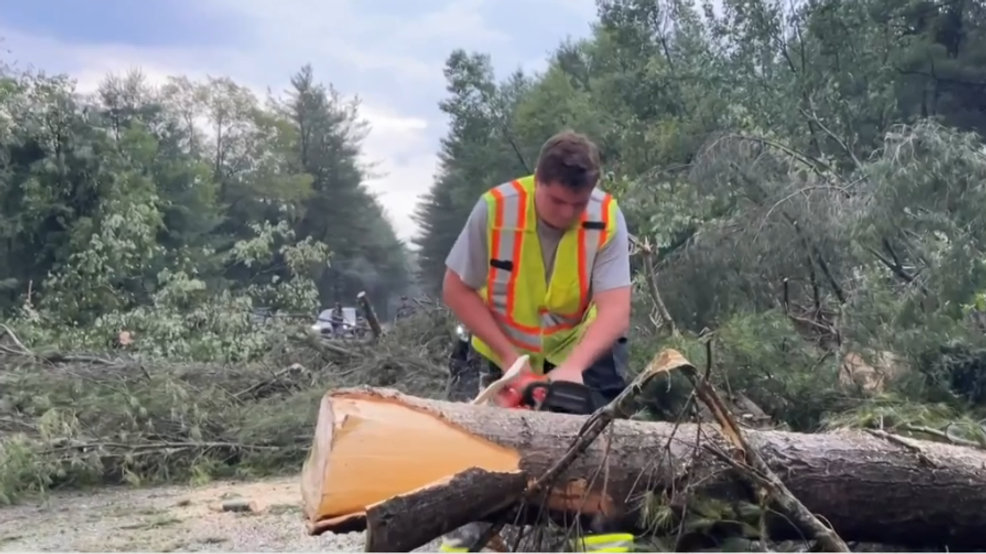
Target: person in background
x=337, y=319
x=405, y=310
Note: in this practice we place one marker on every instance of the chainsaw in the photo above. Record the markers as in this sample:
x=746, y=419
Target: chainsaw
x=520, y=388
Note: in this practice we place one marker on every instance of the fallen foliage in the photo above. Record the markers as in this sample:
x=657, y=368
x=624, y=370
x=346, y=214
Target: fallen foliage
x=76, y=419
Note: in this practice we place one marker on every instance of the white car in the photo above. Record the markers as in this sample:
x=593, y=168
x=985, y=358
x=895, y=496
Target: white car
x=323, y=324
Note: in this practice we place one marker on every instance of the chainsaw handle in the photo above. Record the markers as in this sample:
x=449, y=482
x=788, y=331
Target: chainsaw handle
x=560, y=396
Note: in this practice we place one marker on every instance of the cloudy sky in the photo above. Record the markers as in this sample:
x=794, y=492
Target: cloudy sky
x=388, y=52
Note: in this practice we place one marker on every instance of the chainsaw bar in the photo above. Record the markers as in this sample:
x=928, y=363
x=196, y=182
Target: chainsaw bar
x=560, y=396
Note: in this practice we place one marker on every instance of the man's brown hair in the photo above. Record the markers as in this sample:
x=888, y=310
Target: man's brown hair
x=569, y=159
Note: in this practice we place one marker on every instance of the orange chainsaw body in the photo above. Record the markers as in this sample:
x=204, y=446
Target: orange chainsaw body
x=512, y=395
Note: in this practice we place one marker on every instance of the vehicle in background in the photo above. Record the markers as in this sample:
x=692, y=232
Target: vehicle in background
x=350, y=327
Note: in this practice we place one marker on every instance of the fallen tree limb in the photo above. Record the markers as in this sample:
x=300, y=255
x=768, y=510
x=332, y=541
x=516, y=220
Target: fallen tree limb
x=373, y=445
x=751, y=465
x=395, y=524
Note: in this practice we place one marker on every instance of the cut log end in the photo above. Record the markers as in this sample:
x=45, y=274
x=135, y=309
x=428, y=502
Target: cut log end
x=372, y=446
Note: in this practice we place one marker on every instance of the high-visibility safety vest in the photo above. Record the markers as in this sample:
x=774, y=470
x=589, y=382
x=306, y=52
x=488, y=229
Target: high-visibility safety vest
x=541, y=319
x=610, y=542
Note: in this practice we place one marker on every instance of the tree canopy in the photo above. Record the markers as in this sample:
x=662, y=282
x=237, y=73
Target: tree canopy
x=117, y=200
x=793, y=174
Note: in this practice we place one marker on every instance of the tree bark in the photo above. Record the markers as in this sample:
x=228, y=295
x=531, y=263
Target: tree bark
x=397, y=465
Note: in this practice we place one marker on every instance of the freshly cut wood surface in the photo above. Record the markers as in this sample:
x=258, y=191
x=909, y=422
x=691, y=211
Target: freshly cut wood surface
x=370, y=446
x=374, y=446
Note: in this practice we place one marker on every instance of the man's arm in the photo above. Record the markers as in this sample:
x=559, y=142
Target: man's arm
x=611, y=288
x=466, y=269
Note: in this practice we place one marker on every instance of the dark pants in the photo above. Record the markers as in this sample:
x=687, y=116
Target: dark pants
x=606, y=376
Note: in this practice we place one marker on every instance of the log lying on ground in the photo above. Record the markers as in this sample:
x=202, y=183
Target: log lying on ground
x=409, y=469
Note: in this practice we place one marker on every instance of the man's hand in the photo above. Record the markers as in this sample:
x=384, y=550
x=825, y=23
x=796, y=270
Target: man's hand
x=566, y=372
x=612, y=320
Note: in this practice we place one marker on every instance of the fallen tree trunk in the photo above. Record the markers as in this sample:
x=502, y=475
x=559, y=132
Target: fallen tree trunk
x=397, y=465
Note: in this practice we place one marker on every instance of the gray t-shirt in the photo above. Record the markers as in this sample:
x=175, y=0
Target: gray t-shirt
x=470, y=256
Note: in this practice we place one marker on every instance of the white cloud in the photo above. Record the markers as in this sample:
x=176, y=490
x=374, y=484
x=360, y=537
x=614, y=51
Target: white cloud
x=292, y=32
x=456, y=20
x=583, y=8
x=405, y=162
x=284, y=35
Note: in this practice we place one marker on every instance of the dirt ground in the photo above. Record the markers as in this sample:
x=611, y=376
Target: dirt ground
x=168, y=519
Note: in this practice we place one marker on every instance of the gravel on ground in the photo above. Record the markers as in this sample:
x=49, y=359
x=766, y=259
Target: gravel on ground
x=164, y=519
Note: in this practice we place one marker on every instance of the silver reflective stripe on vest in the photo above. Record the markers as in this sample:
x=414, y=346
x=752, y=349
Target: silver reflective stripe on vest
x=499, y=290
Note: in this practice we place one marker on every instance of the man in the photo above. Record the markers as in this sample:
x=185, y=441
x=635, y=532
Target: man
x=405, y=310
x=542, y=268
x=337, y=320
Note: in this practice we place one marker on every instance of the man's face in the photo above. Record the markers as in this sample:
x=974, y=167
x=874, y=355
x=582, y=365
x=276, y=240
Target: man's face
x=560, y=206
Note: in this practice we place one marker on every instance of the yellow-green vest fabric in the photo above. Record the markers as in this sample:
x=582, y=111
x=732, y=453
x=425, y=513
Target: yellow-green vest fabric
x=543, y=320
